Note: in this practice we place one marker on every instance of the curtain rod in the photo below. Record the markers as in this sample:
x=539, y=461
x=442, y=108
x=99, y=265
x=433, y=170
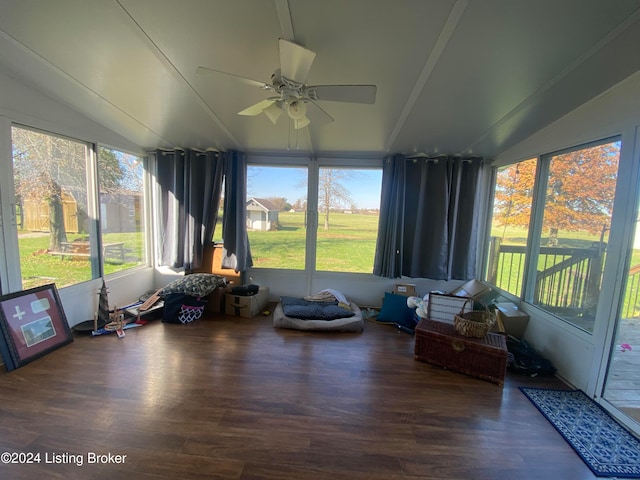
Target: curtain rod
x=199, y=152
x=435, y=158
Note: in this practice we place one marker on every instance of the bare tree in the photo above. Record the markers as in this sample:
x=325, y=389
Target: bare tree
x=332, y=192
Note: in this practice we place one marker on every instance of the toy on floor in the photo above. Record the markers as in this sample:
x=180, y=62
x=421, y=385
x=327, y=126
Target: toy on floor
x=419, y=304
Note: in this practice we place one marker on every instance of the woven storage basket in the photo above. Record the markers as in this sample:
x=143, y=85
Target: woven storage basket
x=476, y=323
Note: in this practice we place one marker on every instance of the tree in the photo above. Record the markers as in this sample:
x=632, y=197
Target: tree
x=579, y=197
x=332, y=192
x=47, y=167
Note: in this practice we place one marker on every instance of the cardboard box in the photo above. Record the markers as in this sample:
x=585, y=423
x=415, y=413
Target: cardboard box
x=473, y=288
x=406, y=289
x=247, y=306
x=215, y=301
x=212, y=263
x=513, y=319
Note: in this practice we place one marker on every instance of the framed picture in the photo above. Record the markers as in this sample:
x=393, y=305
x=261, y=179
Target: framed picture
x=32, y=323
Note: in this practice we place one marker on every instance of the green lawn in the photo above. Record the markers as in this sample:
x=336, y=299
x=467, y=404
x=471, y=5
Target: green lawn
x=39, y=268
x=347, y=246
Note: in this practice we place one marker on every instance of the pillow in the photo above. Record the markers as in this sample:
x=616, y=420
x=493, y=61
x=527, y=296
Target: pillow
x=312, y=310
x=395, y=310
x=317, y=312
x=196, y=285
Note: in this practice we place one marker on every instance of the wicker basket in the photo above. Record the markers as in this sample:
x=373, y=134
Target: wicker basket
x=476, y=323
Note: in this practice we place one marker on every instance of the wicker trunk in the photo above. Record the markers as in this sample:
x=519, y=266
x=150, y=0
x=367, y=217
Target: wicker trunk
x=438, y=343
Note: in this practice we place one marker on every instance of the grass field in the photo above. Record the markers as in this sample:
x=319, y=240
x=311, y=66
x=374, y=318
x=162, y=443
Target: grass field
x=348, y=246
x=40, y=268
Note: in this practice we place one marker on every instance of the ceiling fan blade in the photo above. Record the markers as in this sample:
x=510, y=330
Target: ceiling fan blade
x=317, y=115
x=257, y=108
x=248, y=81
x=343, y=93
x=273, y=112
x=295, y=61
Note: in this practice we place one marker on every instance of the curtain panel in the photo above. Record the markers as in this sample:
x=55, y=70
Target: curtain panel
x=190, y=186
x=428, y=226
x=237, y=253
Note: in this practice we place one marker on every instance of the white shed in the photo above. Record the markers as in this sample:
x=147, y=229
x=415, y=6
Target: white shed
x=262, y=214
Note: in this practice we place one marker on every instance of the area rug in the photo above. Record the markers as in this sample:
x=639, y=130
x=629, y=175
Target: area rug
x=607, y=448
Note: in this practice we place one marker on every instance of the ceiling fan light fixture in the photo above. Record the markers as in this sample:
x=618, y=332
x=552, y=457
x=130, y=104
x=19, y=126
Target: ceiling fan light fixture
x=273, y=112
x=297, y=110
x=303, y=122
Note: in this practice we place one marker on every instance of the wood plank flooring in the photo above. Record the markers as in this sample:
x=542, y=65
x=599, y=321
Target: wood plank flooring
x=234, y=398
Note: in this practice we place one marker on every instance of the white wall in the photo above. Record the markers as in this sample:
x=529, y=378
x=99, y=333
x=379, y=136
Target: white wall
x=24, y=105
x=363, y=289
x=578, y=356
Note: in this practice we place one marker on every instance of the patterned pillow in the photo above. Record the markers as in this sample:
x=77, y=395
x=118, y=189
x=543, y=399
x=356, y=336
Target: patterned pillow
x=196, y=285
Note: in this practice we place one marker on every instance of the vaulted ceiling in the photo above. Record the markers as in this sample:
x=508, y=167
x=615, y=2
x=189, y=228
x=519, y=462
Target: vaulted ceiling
x=452, y=76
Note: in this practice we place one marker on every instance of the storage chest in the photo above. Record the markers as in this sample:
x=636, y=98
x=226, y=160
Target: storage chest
x=438, y=343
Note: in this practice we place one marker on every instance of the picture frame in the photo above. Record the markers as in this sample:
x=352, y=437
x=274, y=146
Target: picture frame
x=33, y=324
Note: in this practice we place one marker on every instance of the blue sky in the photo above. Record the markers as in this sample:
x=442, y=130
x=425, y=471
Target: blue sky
x=290, y=183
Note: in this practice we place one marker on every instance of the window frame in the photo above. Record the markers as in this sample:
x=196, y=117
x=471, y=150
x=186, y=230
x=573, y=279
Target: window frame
x=145, y=209
x=13, y=267
x=535, y=227
x=313, y=165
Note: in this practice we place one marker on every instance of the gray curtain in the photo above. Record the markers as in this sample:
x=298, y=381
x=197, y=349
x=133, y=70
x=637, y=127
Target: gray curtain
x=427, y=218
x=237, y=254
x=190, y=187
x=388, y=258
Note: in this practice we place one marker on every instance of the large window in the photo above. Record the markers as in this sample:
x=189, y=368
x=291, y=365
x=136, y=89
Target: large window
x=348, y=213
x=579, y=188
x=510, y=225
x=58, y=230
x=345, y=203
x=560, y=267
x=277, y=216
x=121, y=187
x=50, y=179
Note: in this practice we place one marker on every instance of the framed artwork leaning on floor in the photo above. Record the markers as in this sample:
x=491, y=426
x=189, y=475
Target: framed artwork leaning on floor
x=32, y=323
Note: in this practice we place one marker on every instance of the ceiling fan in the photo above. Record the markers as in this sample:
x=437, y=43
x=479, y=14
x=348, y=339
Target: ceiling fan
x=291, y=93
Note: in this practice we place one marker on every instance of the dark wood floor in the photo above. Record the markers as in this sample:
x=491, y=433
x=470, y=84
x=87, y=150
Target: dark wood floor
x=236, y=399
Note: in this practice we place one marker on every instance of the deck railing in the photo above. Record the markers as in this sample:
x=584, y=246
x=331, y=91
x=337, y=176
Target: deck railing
x=631, y=304
x=567, y=279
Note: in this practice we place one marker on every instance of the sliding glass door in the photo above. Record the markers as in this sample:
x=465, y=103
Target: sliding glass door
x=622, y=381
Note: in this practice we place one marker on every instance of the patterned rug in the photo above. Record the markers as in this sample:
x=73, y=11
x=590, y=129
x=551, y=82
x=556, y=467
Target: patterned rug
x=605, y=446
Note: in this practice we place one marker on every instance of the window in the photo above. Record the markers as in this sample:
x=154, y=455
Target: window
x=551, y=251
x=510, y=225
x=50, y=181
x=579, y=188
x=56, y=213
x=348, y=213
x=348, y=208
x=121, y=192
x=277, y=216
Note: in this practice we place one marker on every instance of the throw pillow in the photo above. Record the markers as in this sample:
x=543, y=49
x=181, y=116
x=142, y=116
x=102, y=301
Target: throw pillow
x=395, y=310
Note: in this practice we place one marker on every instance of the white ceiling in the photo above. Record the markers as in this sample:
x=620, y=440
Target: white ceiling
x=463, y=77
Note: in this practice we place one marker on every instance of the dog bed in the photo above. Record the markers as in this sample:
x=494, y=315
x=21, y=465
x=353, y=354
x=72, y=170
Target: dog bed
x=317, y=315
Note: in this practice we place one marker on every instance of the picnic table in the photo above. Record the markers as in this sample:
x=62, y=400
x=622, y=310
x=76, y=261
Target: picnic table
x=82, y=249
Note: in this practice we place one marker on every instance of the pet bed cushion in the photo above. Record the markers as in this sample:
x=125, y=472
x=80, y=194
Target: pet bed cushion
x=351, y=323
x=312, y=310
